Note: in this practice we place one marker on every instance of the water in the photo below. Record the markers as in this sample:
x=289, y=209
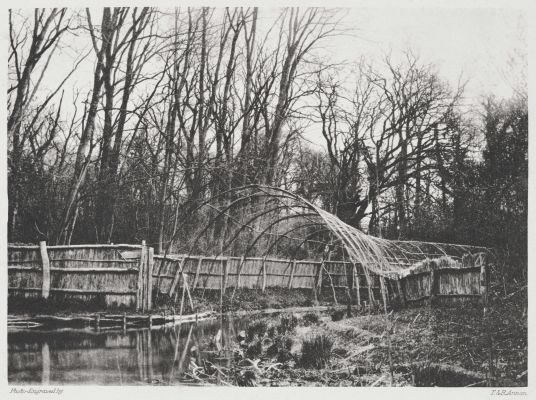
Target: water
x=158, y=356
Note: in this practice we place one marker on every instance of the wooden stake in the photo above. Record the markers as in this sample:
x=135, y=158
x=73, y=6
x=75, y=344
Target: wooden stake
x=225, y=268
x=292, y=270
x=372, y=300
x=141, y=273
x=45, y=263
x=484, y=278
x=401, y=293
x=144, y=279
x=196, y=278
x=187, y=286
x=159, y=278
x=385, y=298
x=332, y=288
x=348, y=292
x=357, y=284
x=319, y=276
x=178, y=273
x=433, y=281
x=263, y=274
x=182, y=299
x=150, y=265
x=242, y=260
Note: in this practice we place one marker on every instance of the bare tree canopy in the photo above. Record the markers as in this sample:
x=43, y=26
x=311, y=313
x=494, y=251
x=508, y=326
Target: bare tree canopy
x=185, y=104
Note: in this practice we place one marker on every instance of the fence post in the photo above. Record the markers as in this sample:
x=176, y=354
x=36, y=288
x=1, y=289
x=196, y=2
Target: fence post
x=225, y=268
x=150, y=265
x=242, y=262
x=45, y=263
x=401, y=293
x=484, y=284
x=372, y=300
x=196, y=278
x=264, y=274
x=141, y=275
x=292, y=269
x=385, y=294
x=177, y=277
x=332, y=286
x=357, y=285
x=319, y=276
x=433, y=284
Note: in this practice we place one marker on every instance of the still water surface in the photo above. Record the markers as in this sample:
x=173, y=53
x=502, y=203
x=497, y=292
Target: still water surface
x=142, y=356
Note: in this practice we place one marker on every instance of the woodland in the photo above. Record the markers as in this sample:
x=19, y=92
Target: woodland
x=179, y=106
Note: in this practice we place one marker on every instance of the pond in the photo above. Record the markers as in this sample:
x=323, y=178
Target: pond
x=86, y=356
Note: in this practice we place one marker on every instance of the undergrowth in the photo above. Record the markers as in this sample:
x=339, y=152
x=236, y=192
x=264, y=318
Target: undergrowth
x=316, y=352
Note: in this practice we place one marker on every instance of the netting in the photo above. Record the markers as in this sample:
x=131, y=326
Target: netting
x=260, y=220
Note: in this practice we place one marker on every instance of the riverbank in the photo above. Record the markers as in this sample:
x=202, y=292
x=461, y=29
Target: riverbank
x=58, y=313
x=243, y=300
x=412, y=347
x=257, y=345
x=420, y=346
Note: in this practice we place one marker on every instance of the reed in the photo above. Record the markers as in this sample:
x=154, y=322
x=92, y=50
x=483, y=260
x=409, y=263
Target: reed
x=256, y=329
x=316, y=352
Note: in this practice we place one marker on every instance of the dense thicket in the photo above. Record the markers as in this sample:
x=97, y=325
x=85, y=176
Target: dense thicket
x=185, y=104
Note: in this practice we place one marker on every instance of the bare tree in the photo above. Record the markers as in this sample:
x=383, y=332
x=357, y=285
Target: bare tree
x=86, y=143
x=386, y=130
x=31, y=47
x=299, y=32
x=137, y=43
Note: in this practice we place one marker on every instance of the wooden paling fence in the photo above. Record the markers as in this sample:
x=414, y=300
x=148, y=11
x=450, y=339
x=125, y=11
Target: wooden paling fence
x=130, y=275
x=446, y=280
x=250, y=273
x=119, y=273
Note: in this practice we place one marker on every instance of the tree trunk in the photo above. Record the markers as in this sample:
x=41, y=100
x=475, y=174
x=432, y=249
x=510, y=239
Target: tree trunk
x=84, y=148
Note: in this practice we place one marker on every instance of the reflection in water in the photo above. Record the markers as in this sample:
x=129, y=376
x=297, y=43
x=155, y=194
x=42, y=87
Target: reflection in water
x=158, y=356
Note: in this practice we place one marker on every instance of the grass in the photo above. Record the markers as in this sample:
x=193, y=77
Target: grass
x=287, y=324
x=254, y=350
x=310, y=319
x=316, y=352
x=337, y=315
x=253, y=299
x=280, y=348
x=256, y=329
x=271, y=340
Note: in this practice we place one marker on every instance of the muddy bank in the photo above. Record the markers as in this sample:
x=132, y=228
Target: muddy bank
x=327, y=346
x=414, y=347
x=298, y=347
x=243, y=301
x=155, y=320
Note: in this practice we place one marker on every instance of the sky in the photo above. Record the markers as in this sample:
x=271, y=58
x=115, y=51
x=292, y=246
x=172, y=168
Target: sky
x=474, y=44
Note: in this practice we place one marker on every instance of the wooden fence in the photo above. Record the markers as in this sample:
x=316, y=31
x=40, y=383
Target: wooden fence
x=221, y=273
x=129, y=275
x=446, y=280
x=119, y=273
